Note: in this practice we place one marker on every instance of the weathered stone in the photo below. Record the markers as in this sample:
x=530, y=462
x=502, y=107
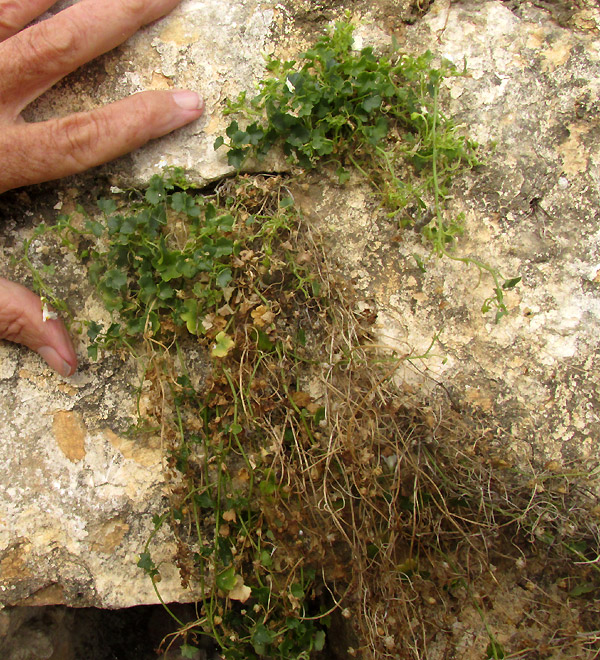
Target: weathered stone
x=215, y=47
x=533, y=210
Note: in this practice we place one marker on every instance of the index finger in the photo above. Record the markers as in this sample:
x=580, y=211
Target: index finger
x=36, y=58
x=15, y=15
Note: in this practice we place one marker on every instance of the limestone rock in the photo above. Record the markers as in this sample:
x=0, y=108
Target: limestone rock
x=215, y=47
x=533, y=89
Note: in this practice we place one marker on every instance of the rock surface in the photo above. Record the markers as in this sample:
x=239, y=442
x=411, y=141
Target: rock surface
x=215, y=47
x=533, y=89
x=78, y=494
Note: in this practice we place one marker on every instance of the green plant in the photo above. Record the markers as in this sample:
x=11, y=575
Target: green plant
x=378, y=114
x=297, y=451
x=298, y=456
x=173, y=266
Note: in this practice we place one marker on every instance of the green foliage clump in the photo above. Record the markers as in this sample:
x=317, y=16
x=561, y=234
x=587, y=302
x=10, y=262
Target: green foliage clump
x=269, y=483
x=175, y=267
x=150, y=268
x=346, y=107
x=275, y=486
x=378, y=114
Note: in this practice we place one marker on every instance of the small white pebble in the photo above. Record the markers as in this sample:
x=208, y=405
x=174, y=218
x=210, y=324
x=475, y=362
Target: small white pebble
x=563, y=182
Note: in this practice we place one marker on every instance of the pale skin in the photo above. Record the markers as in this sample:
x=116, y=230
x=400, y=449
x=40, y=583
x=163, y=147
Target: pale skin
x=31, y=61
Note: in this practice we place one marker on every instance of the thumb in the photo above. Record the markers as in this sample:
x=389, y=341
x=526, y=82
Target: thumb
x=22, y=322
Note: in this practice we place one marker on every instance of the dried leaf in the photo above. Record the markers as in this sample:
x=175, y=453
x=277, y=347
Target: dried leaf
x=301, y=399
x=230, y=516
x=225, y=310
x=240, y=591
x=262, y=315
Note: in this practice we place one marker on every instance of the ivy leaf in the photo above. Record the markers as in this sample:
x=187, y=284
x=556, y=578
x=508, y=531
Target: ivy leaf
x=136, y=326
x=224, y=277
x=187, y=268
x=128, y=226
x=210, y=212
x=322, y=145
x=147, y=287
x=298, y=135
x=190, y=316
x=147, y=565
x=225, y=223
x=239, y=138
x=261, y=638
x=115, y=279
x=343, y=175
x=582, y=589
x=94, y=329
x=165, y=291
x=236, y=157
x=226, y=580
x=223, y=344
x=223, y=247
x=204, y=501
x=232, y=129
x=184, y=203
x=263, y=341
x=376, y=133
x=255, y=134
x=372, y=103
x=166, y=263
x=156, y=192
x=95, y=227
x=319, y=640
x=510, y=284
x=266, y=559
x=107, y=206
x=188, y=651
x=114, y=224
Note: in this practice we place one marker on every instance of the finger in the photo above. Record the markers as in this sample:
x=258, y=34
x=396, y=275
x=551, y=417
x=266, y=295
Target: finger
x=36, y=58
x=53, y=149
x=21, y=321
x=15, y=14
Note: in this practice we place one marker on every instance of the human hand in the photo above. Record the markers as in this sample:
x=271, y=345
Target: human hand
x=31, y=61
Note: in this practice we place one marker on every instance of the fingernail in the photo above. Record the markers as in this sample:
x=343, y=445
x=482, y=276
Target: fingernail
x=55, y=361
x=187, y=100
